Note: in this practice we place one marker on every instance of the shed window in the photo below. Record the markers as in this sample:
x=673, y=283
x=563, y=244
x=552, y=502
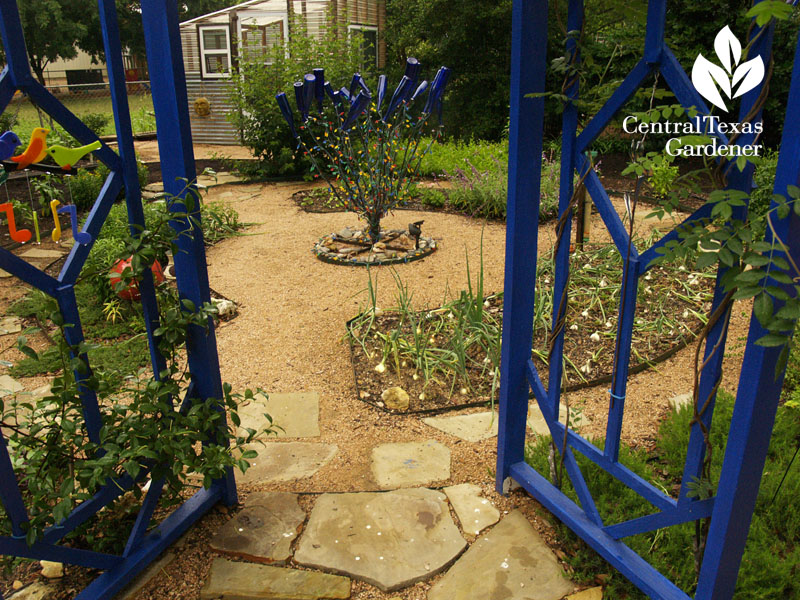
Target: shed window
x=215, y=51
x=367, y=38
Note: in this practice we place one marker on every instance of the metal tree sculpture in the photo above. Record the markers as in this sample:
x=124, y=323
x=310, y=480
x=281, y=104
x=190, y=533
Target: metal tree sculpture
x=367, y=162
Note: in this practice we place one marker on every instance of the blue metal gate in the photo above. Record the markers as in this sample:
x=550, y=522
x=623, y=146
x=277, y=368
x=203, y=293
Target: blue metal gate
x=170, y=102
x=730, y=510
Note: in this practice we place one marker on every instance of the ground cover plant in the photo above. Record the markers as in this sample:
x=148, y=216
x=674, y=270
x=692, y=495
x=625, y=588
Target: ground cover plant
x=770, y=565
x=450, y=355
x=114, y=327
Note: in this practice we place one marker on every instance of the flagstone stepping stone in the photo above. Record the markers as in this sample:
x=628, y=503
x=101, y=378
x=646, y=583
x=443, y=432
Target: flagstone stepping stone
x=409, y=464
x=4, y=274
x=681, y=400
x=296, y=413
x=286, y=461
x=10, y=325
x=36, y=591
x=9, y=385
x=244, y=581
x=474, y=512
x=131, y=591
x=510, y=562
x=537, y=423
x=595, y=593
x=471, y=428
x=40, y=253
x=388, y=539
x=263, y=530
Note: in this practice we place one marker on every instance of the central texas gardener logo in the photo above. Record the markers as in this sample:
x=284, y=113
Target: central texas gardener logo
x=734, y=79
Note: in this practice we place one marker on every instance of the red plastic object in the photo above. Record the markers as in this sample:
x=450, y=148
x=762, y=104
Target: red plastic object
x=131, y=292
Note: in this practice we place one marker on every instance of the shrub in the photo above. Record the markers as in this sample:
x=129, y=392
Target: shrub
x=97, y=121
x=85, y=186
x=258, y=117
x=446, y=157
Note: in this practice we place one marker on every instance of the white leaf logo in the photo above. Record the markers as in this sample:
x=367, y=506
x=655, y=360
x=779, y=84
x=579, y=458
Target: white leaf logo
x=709, y=78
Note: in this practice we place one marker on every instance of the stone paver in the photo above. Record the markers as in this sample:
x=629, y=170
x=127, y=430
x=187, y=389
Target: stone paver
x=10, y=325
x=595, y=593
x=242, y=581
x=8, y=385
x=474, y=512
x=286, y=461
x=131, y=592
x=409, y=464
x=4, y=274
x=681, y=400
x=537, y=423
x=263, y=530
x=35, y=591
x=471, y=428
x=40, y=253
x=510, y=562
x=390, y=539
x=296, y=413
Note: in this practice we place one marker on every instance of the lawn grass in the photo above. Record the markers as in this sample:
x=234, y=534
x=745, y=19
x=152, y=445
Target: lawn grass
x=93, y=102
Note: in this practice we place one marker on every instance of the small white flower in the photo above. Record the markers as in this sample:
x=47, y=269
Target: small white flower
x=573, y=327
x=547, y=280
x=404, y=364
x=608, y=324
x=419, y=331
x=585, y=313
x=648, y=277
x=685, y=314
x=432, y=339
x=415, y=377
x=603, y=282
x=487, y=304
x=681, y=268
x=595, y=337
x=587, y=368
x=450, y=315
x=463, y=391
x=422, y=396
x=380, y=367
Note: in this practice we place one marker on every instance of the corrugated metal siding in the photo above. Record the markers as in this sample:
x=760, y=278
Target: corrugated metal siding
x=214, y=128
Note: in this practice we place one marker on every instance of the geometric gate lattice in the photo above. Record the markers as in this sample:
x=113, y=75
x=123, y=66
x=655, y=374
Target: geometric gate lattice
x=167, y=80
x=730, y=510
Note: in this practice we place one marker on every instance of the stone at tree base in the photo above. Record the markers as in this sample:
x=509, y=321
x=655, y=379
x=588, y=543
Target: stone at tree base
x=263, y=530
x=16, y=585
x=286, y=461
x=595, y=593
x=242, y=581
x=510, y=562
x=388, y=539
x=296, y=413
x=52, y=570
x=38, y=590
x=471, y=428
x=395, y=398
x=9, y=385
x=681, y=400
x=474, y=512
x=225, y=308
x=409, y=464
x=537, y=423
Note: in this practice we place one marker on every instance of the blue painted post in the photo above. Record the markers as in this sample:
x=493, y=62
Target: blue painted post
x=171, y=104
x=654, y=34
x=528, y=66
x=568, y=163
x=122, y=119
x=756, y=400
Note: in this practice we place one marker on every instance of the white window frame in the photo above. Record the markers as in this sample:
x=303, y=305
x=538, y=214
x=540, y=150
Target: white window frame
x=215, y=52
x=355, y=27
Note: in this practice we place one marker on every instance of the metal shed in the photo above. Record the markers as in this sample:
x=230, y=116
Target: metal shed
x=213, y=43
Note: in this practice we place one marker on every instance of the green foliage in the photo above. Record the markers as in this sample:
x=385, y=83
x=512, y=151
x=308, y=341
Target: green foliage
x=473, y=40
x=769, y=567
x=85, y=186
x=58, y=465
x=96, y=121
x=446, y=157
x=764, y=181
x=258, y=117
x=431, y=197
